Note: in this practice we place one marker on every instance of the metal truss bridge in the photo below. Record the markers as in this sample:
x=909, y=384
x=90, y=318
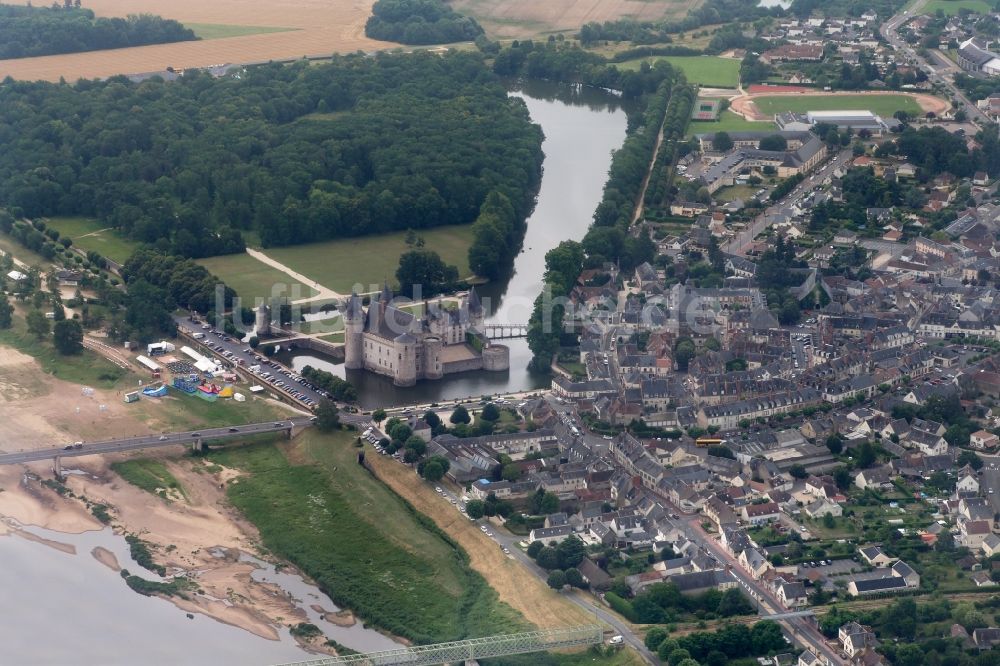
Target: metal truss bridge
x=457, y=652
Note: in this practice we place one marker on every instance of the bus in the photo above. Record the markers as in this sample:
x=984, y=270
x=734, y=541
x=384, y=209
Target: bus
x=704, y=442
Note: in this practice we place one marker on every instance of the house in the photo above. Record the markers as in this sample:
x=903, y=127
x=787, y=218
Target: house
x=808, y=658
x=991, y=545
x=983, y=439
x=877, y=478
x=982, y=579
x=823, y=507
x=550, y=535
x=698, y=582
x=593, y=574
x=987, y=638
x=68, y=278
x=974, y=532
x=875, y=556
x=760, y=514
x=792, y=595
x=967, y=481
x=855, y=637
x=860, y=588
x=755, y=564
x=906, y=572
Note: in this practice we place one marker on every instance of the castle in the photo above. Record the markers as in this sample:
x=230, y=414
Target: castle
x=391, y=341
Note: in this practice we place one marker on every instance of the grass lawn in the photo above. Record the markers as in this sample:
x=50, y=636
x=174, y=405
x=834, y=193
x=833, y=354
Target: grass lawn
x=883, y=105
x=150, y=475
x=364, y=546
x=736, y=192
x=728, y=122
x=370, y=260
x=87, y=367
x=710, y=71
x=332, y=326
x=180, y=411
x=253, y=279
x=221, y=31
x=952, y=7
x=90, y=234
x=12, y=247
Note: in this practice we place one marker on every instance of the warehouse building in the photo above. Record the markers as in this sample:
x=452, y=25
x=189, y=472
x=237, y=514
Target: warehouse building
x=843, y=120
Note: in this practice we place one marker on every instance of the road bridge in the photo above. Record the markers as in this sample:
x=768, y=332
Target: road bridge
x=500, y=331
x=457, y=652
x=193, y=438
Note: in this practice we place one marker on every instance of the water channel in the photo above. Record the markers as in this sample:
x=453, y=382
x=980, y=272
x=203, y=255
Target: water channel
x=582, y=127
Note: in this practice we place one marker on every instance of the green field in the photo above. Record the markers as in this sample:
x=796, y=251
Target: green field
x=90, y=234
x=370, y=260
x=952, y=7
x=364, y=546
x=254, y=280
x=180, y=411
x=150, y=475
x=883, y=105
x=87, y=367
x=710, y=71
x=728, y=122
x=221, y=31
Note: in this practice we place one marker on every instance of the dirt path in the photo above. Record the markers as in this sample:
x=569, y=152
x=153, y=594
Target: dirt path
x=324, y=294
x=744, y=105
x=516, y=586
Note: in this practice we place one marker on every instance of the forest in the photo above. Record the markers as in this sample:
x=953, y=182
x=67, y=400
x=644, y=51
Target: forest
x=420, y=22
x=27, y=31
x=293, y=153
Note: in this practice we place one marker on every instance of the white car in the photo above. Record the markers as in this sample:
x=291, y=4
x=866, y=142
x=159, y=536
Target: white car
x=438, y=489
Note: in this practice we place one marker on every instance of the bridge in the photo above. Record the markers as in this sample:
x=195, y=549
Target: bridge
x=194, y=438
x=457, y=652
x=500, y=331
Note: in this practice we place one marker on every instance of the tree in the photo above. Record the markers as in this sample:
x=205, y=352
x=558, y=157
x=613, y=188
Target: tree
x=378, y=415
x=327, y=416
x=422, y=273
x=556, y=580
x=766, y=637
x=677, y=656
x=684, y=351
x=432, y=419
x=666, y=648
x=548, y=558
x=433, y=471
x=865, y=455
x=571, y=552
x=6, y=311
x=416, y=444
x=475, y=508
x=835, y=444
x=828, y=521
x=38, y=325
x=510, y=472
x=533, y=548
x=654, y=637
x=68, y=336
x=490, y=413
x=971, y=459
x=722, y=142
x=842, y=477
x=254, y=342
x=798, y=471
x=733, y=603
x=460, y=415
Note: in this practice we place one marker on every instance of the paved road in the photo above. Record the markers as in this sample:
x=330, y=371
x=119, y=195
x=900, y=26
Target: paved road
x=989, y=482
x=151, y=441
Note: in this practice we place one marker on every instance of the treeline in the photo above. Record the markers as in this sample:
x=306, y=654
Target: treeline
x=27, y=31
x=660, y=191
x=663, y=602
x=339, y=389
x=496, y=237
x=727, y=645
x=624, y=30
x=420, y=22
x=296, y=153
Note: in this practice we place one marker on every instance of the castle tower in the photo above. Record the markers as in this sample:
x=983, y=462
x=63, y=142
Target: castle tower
x=354, y=327
x=475, y=309
x=432, y=358
x=262, y=320
x=405, y=347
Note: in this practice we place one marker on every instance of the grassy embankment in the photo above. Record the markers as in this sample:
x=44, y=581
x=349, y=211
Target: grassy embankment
x=709, y=71
x=883, y=105
x=152, y=476
x=364, y=546
x=89, y=234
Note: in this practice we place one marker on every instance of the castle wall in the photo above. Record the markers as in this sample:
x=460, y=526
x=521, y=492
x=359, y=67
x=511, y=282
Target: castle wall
x=496, y=358
x=464, y=365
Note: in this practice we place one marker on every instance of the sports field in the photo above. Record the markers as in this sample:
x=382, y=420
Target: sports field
x=254, y=280
x=952, y=7
x=883, y=105
x=710, y=71
x=306, y=27
x=89, y=234
x=728, y=122
x=222, y=31
x=371, y=260
x=510, y=19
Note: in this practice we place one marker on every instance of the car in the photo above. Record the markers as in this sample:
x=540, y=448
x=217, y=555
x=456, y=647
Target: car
x=438, y=489
x=279, y=425
x=162, y=438
x=234, y=430
x=68, y=447
x=802, y=528
x=607, y=437
x=506, y=550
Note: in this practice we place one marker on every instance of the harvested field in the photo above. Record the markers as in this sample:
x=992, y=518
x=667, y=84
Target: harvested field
x=516, y=19
x=311, y=27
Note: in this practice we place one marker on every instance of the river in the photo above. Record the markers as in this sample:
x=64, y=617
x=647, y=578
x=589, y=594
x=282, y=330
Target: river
x=582, y=127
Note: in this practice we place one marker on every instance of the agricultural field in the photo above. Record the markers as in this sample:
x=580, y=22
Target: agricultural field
x=952, y=7
x=708, y=71
x=315, y=506
x=371, y=260
x=517, y=19
x=222, y=31
x=278, y=30
x=90, y=234
x=253, y=279
x=728, y=122
x=883, y=105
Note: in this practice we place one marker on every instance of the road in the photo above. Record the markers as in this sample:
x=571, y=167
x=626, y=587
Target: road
x=890, y=32
x=152, y=441
x=989, y=482
x=741, y=243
